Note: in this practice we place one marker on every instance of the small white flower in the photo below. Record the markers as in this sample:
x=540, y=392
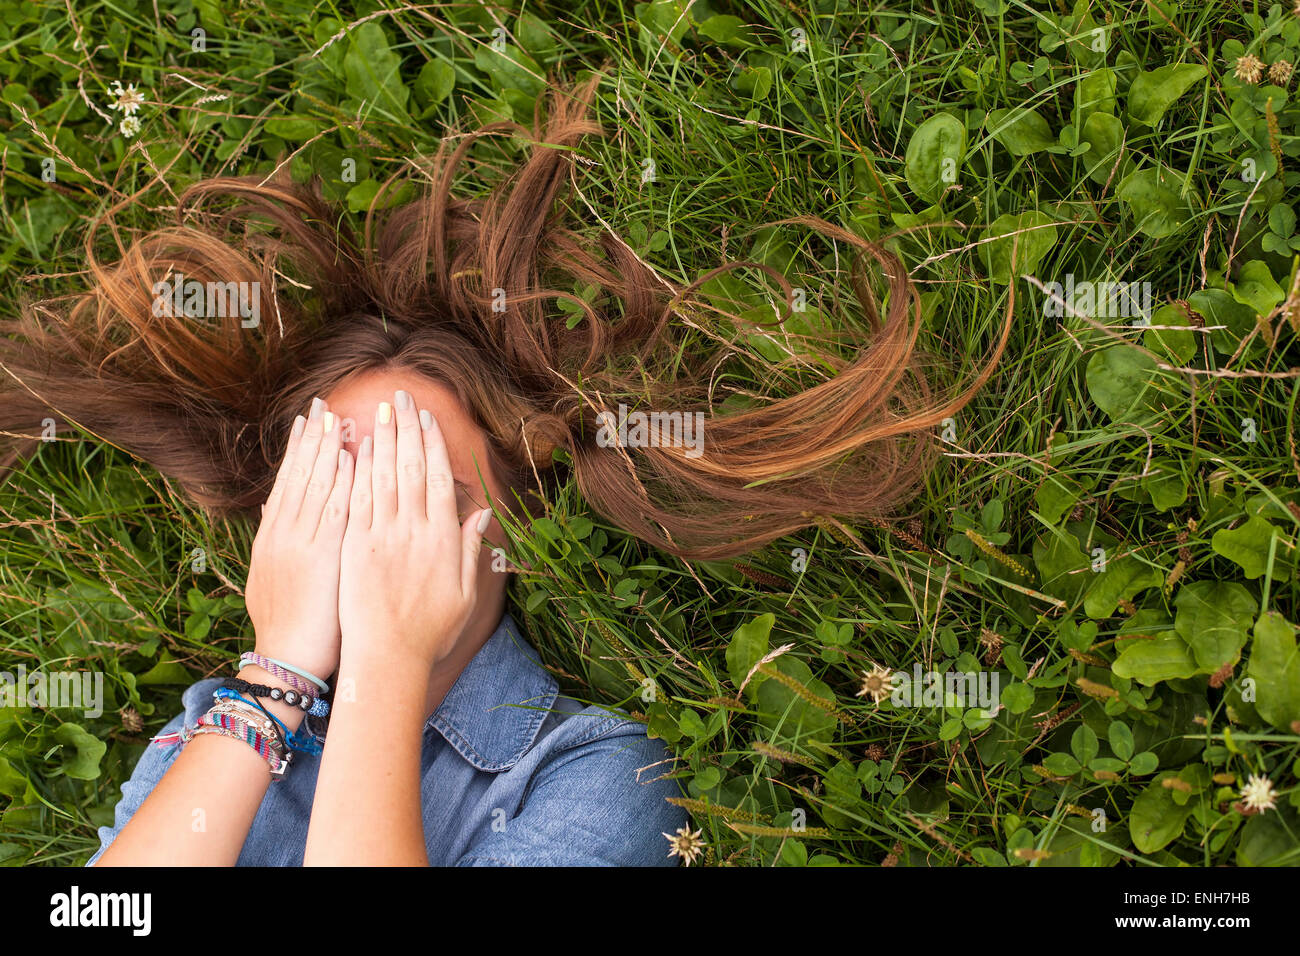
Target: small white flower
x=878, y=683
x=1258, y=793
x=127, y=100
x=129, y=126
x=685, y=844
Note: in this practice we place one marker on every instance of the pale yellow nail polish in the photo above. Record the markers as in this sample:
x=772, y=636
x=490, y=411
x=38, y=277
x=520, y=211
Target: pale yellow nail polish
x=385, y=413
x=329, y=422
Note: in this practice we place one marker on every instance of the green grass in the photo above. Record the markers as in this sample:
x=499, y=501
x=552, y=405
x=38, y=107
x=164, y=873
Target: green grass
x=1169, y=449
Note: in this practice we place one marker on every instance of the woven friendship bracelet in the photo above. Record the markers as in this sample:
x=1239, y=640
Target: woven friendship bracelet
x=271, y=728
x=253, y=713
x=285, y=670
x=225, y=725
x=271, y=667
x=303, y=740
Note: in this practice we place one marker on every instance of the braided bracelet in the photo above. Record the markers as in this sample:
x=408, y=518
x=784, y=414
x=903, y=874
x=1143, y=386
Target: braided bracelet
x=225, y=725
x=286, y=672
x=258, y=719
x=303, y=741
x=316, y=706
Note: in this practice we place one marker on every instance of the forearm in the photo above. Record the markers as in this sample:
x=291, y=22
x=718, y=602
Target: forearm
x=200, y=812
x=367, y=809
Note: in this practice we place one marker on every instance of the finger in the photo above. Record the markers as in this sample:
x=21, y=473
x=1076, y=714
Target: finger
x=295, y=487
x=281, y=478
x=471, y=534
x=410, y=457
x=440, y=493
x=334, y=517
x=361, y=506
x=324, y=470
x=383, y=479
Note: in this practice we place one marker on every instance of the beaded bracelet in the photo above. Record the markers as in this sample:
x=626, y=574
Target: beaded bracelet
x=286, y=672
x=301, y=741
x=316, y=706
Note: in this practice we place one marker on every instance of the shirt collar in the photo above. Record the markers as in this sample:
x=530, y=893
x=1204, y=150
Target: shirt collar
x=492, y=713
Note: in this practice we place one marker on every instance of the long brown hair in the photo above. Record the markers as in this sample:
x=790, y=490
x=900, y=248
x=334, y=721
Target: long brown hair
x=209, y=403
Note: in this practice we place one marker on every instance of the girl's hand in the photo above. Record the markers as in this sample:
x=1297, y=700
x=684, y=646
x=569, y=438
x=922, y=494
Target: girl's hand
x=409, y=568
x=293, y=579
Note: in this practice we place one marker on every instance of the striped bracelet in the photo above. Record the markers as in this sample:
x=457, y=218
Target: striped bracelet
x=295, y=678
x=226, y=719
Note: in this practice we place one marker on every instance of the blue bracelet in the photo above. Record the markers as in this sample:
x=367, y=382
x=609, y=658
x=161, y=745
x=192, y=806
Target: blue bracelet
x=304, y=742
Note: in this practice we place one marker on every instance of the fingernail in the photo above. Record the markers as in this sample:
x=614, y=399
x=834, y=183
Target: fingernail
x=316, y=407
x=343, y=458
x=365, y=447
x=299, y=423
x=403, y=400
x=329, y=422
x=426, y=420
x=385, y=413
x=484, y=520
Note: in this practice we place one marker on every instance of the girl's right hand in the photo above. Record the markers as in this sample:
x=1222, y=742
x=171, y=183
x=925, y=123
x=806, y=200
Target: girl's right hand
x=293, y=578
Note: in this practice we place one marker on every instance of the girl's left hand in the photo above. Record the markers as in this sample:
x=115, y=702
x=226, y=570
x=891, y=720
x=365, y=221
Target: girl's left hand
x=409, y=569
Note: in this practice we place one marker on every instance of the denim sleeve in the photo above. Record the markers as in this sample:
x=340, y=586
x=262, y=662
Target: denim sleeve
x=153, y=763
x=587, y=806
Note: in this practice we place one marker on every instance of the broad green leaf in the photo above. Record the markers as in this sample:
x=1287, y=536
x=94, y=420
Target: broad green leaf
x=1018, y=244
x=373, y=73
x=1256, y=288
x=434, y=84
x=1175, y=347
x=166, y=671
x=1155, y=91
x=790, y=718
x=934, y=154
x=1154, y=196
x=1167, y=484
x=1062, y=565
x=1248, y=544
x=1155, y=657
x=749, y=644
x=82, y=751
x=1123, y=578
x=293, y=128
x=1275, y=666
x=1104, y=135
x=1118, y=378
x=1156, y=820
x=1094, y=92
x=1022, y=131
x=1218, y=308
x=1268, y=839
x=1057, y=495
x=1214, y=618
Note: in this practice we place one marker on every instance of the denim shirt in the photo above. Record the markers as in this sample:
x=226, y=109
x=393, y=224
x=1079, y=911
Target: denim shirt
x=512, y=774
